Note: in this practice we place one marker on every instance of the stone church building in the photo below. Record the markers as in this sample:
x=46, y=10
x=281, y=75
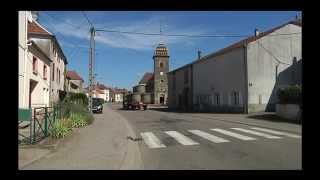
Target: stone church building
x=157, y=82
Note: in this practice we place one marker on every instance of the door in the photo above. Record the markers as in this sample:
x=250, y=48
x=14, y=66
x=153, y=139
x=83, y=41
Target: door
x=161, y=100
x=32, y=85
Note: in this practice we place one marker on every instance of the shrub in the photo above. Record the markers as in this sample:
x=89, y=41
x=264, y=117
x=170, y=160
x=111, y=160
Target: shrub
x=77, y=98
x=67, y=108
x=88, y=118
x=290, y=95
x=78, y=120
x=61, y=128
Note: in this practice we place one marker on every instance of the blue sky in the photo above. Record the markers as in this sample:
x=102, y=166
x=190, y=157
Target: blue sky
x=122, y=59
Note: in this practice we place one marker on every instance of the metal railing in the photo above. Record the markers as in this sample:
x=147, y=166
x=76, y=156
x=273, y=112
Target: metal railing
x=40, y=121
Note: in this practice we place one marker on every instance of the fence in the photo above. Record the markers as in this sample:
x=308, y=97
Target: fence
x=35, y=123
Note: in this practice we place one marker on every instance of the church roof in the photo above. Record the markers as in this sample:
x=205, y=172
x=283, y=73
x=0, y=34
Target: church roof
x=146, y=77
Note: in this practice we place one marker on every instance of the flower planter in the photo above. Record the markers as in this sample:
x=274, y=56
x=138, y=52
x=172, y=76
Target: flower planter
x=288, y=111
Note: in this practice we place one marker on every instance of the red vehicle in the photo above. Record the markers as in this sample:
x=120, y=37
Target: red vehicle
x=130, y=104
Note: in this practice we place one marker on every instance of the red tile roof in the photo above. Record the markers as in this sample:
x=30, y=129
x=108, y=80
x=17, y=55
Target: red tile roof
x=73, y=75
x=119, y=90
x=33, y=27
x=146, y=77
x=99, y=91
x=102, y=86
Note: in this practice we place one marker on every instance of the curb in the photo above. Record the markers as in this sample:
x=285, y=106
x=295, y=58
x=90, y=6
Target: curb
x=50, y=148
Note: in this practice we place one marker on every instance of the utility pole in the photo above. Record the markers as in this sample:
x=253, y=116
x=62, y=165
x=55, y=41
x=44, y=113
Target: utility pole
x=91, y=59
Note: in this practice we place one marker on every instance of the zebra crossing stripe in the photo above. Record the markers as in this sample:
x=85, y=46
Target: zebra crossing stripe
x=151, y=140
x=276, y=132
x=208, y=136
x=257, y=133
x=182, y=139
x=235, y=135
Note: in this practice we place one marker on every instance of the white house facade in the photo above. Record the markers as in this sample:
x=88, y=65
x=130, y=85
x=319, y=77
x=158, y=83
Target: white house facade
x=34, y=68
x=47, y=42
x=39, y=71
x=242, y=77
x=24, y=18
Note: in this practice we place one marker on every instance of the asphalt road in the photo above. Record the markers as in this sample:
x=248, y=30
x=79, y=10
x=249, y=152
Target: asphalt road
x=166, y=141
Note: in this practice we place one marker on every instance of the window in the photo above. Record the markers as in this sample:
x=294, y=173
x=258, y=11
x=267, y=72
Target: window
x=235, y=98
x=186, y=76
x=161, y=80
x=161, y=64
x=260, y=99
x=53, y=72
x=44, y=72
x=57, y=75
x=34, y=65
x=217, y=98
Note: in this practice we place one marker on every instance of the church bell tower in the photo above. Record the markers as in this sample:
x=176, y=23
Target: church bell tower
x=161, y=67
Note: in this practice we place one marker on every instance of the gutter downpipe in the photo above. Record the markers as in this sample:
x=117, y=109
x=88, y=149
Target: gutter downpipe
x=246, y=110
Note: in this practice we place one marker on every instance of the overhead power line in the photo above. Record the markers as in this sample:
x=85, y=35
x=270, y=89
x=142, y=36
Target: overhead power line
x=85, y=15
x=162, y=34
x=187, y=35
x=271, y=54
x=64, y=21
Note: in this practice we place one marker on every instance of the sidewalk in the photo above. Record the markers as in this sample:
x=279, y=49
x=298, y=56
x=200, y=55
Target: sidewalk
x=101, y=145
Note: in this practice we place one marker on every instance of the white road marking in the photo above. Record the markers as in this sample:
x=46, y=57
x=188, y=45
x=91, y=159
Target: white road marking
x=208, y=136
x=182, y=139
x=276, y=132
x=151, y=140
x=257, y=133
x=235, y=135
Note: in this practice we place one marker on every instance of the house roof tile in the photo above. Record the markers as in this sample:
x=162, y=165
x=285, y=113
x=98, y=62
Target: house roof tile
x=73, y=75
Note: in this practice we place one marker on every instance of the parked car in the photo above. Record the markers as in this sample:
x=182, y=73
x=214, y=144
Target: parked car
x=97, y=105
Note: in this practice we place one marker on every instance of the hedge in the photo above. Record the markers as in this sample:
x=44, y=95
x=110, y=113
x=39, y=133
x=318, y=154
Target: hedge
x=290, y=95
x=76, y=98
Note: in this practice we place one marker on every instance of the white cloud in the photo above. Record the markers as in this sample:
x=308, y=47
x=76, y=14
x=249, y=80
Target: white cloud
x=131, y=41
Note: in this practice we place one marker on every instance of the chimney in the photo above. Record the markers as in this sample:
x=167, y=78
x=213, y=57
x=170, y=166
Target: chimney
x=199, y=54
x=256, y=32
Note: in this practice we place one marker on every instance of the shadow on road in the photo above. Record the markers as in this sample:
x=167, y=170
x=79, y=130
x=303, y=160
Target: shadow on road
x=272, y=117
